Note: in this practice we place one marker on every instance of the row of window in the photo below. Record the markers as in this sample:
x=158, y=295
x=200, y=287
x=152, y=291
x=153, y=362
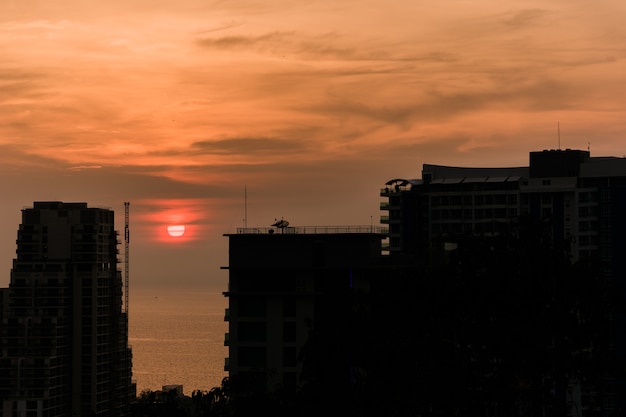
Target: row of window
x=502, y=199
x=256, y=331
x=255, y=307
x=256, y=356
x=457, y=228
x=473, y=200
x=470, y=214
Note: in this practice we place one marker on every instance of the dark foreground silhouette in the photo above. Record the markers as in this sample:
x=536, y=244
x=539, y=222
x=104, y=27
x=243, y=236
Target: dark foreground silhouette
x=496, y=326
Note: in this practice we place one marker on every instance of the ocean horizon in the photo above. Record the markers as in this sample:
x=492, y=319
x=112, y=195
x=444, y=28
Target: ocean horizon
x=177, y=338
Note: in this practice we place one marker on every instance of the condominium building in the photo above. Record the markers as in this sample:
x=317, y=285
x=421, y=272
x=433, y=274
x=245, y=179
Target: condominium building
x=64, y=341
x=575, y=201
x=582, y=197
x=291, y=302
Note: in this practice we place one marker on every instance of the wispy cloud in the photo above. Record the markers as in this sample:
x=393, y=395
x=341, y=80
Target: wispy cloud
x=252, y=147
x=292, y=45
x=523, y=19
x=310, y=104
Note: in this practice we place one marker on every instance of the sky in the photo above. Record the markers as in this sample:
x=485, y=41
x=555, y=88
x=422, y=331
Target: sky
x=216, y=114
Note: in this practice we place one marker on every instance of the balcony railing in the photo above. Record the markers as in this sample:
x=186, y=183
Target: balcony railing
x=313, y=230
x=393, y=190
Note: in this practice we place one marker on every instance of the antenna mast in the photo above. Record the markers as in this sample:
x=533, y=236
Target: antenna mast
x=126, y=244
x=245, y=206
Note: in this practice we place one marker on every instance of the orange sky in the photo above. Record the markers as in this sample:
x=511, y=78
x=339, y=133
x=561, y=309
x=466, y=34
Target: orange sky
x=176, y=106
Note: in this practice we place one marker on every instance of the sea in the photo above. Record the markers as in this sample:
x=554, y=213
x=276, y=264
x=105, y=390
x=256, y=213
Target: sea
x=177, y=338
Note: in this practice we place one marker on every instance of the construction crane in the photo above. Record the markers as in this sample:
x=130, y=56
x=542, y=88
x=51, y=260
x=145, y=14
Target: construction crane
x=126, y=244
x=127, y=358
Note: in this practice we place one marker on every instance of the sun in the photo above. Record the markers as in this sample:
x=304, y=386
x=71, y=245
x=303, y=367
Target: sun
x=176, y=230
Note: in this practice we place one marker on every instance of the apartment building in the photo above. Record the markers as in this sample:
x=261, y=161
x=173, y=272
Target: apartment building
x=576, y=201
x=581, y=196
x=64, y=343
x=291, y=302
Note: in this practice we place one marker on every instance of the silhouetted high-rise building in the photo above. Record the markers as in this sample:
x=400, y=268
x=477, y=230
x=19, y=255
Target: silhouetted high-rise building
x=559, y=220
x=293, y=298
x=64, y=344
x=580, y=198
x=500, y=291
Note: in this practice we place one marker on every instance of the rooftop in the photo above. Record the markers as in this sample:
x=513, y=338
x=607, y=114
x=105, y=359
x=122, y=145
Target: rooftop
x=312, y=230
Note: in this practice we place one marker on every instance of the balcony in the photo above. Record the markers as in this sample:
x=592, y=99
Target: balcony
x=226, y=364
x=227, y=314
x=384, y=219
x=384, y=205
x=396, y=189
x=226, y=339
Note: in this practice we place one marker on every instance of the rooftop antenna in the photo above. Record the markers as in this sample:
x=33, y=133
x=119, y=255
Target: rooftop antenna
x=245, y=206
x=281, y=224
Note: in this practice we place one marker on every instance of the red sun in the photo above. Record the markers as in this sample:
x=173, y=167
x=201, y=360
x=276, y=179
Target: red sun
x=176, y=230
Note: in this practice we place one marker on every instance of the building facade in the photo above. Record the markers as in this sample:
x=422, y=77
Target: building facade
x=581, y=197
x=64, y=341
x=571, y=204
x=291, y=297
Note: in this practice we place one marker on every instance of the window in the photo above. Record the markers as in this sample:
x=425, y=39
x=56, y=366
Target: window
x=252, y=331
x=289, y=307
x=251, y=307
x=319, y=255
x=512, y=199
x=289, y=380
x=290, y=357
x=289, y=331
x=252, y=356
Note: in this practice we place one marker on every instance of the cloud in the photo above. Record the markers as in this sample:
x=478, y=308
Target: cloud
x=312, y=105
x=83, y=167
x=19, y=86
x=264, y=41
x=292, y=45
x=33, y=25
x=251, y=146
x=522, y=19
